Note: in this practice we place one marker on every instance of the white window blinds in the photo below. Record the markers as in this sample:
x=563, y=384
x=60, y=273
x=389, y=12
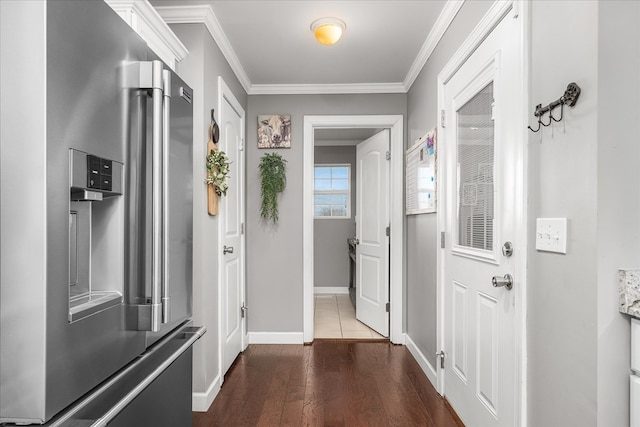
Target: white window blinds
x=475, y=148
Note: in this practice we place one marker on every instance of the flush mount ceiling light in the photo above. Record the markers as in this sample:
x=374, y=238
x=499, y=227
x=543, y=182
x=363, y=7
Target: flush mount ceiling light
x=328, y=30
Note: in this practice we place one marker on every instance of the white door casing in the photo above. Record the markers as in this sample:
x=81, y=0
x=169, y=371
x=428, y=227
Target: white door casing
x=231, y=266
x=372, y=219
x=395, y=124
x=482, y=167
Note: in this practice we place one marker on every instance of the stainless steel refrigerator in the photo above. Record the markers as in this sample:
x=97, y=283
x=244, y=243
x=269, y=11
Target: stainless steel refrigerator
x=95, y=222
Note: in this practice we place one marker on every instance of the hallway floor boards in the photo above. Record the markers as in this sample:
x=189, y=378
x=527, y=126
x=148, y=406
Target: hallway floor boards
x=328, y=383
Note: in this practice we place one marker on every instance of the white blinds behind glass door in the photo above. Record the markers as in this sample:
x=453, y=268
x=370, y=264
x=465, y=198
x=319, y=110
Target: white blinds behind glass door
x=475, y=146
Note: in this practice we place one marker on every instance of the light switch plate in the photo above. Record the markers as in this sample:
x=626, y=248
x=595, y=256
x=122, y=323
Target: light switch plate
x=551, y=235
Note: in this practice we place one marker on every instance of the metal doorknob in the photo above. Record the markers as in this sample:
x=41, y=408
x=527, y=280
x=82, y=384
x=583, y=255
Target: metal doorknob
x=227, y=250
x=506, y=281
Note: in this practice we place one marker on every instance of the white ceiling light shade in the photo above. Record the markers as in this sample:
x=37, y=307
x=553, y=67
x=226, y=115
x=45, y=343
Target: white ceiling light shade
x=328, y=30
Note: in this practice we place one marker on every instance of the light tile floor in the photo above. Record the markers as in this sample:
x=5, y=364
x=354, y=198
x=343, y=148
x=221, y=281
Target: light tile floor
x=335, y=317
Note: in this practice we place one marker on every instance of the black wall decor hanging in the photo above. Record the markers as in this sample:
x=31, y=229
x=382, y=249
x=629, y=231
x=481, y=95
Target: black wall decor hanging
x=570, y=97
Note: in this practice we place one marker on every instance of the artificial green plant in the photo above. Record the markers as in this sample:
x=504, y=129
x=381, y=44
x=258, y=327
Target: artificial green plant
x=274, y=179
x=218, y=171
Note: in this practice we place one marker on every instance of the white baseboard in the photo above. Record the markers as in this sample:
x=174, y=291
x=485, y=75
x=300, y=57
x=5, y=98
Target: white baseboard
x=200, y=402
x=427, y=368
x=398, y=340
x=330, y=289
x=276, y=338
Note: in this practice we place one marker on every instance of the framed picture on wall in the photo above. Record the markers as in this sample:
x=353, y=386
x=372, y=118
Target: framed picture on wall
x=274, y=131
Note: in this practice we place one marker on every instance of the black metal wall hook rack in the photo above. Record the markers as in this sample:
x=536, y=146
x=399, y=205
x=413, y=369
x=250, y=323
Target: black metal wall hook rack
x=570, y=97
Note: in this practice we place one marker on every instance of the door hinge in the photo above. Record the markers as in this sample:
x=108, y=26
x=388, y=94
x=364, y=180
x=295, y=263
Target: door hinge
x=442, y=239
x=388, y=231
x=243, y=311
x=242, y=228
x=441, y=118
x=241, y=145
x=516, y=9
x=440, y=355
x=388, y=307
x=388, y=155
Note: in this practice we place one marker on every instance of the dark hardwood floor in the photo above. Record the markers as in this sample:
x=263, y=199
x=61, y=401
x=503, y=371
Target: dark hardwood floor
x=329, y=383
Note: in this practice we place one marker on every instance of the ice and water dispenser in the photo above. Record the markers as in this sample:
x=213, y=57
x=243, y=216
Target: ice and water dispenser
x=95, y=234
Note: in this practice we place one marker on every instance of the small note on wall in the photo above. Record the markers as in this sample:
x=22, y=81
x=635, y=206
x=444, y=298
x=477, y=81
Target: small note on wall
x=421, y=178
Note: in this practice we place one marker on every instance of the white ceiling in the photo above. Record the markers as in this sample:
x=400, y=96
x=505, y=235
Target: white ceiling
x=382, y=49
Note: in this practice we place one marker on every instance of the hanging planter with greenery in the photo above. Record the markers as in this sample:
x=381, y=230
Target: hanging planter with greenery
x=274, y=180
x=218, y=171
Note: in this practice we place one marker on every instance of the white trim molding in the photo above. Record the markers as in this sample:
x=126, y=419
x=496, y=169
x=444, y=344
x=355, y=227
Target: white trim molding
x=446, y=17
x=200, y=402
x=395, y=124
x=203, y=14
x=522, y=9
x=149, y=24
x=427, y=368
x=275, y=338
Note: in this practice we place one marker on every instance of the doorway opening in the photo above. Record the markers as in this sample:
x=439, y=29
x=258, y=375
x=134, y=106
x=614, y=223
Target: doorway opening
x=337, y=210
x=394, y=125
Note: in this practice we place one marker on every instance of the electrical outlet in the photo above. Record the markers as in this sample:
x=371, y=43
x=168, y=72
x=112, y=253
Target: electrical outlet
x=551, y=235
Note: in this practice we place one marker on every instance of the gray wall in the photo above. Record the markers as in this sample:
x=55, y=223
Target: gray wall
x=584, y=169
x=422, y=237
x=200, y=69
x=330, y=249
x=563, y=179
x=274, y=253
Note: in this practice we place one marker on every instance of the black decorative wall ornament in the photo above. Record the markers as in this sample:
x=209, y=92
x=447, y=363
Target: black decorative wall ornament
x=570, y=97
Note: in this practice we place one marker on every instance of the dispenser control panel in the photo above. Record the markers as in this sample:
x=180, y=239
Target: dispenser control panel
x=94, y=177
x=99, y=173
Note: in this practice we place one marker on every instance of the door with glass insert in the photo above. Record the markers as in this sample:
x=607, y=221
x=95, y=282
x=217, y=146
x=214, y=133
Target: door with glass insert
x=481, y=146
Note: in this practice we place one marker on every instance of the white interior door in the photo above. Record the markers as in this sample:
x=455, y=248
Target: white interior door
x=482, y=146
x=231, y=233
x=372, y=220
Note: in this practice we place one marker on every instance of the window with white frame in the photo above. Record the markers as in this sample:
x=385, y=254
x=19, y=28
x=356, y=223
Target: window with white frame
x=332, y=191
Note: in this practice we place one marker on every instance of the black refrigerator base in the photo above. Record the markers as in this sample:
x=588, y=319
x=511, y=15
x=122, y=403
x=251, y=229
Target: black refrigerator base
x=166, y=402
x=153, y=390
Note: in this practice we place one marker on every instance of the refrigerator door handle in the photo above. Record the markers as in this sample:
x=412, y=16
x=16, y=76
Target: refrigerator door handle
x=157, y=195
x=155, y=80
x=166, y=137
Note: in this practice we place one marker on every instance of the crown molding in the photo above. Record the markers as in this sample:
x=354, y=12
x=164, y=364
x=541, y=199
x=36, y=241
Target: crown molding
x=147, y=22
x=446, y=17
x=203, y=14
x=326, y=89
